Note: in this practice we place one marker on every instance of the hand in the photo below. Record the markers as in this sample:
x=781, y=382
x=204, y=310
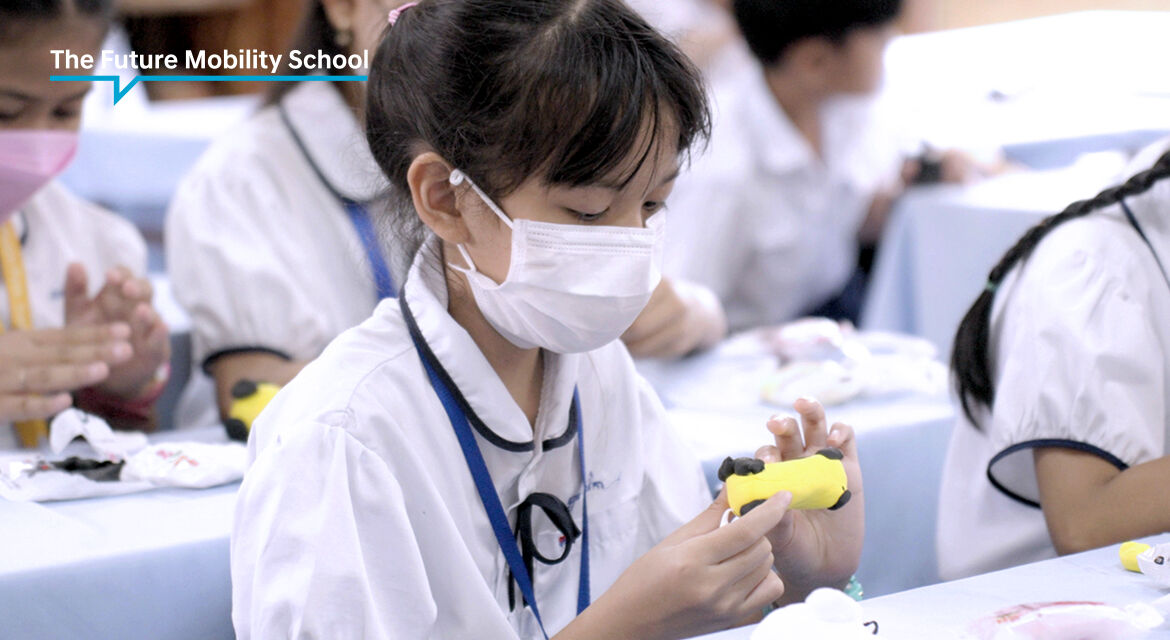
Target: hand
x=816, y=548
x=701, y=578
x=679, y=318
x=123, y=298
x=40, y=366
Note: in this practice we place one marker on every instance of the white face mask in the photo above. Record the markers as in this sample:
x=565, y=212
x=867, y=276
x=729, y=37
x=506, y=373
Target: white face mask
x=569, y=288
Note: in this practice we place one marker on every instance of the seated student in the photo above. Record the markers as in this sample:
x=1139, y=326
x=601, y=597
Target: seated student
x=1063, y=369
x=271, y=247
x=76, y=321
x=799, y=170
x=469, y=416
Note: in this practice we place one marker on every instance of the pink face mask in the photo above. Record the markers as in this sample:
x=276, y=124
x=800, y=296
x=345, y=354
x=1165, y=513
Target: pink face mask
x=29, y=159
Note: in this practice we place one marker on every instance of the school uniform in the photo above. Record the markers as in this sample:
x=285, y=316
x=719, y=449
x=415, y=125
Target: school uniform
x=56, y=228
x=760, y=218
x=1080, y=353
x=359, y=516
x=262, y=247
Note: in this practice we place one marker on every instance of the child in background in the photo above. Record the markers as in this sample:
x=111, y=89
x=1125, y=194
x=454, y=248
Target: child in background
x=272, y=249
x=800, y=171
x=1063, y=369
x=271, y=246
x=76, y=321
x=395, y=481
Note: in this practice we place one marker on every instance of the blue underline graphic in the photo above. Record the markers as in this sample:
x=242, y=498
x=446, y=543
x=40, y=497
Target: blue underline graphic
x=120, y=91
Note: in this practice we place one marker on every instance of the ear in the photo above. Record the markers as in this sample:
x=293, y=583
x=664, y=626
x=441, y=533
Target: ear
x=341, y=14
x=434, y=197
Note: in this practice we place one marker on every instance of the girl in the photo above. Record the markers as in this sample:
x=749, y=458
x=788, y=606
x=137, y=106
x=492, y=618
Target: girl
x=63, y=341
x=1062, y=368
x=270, y=243
x=426, y=476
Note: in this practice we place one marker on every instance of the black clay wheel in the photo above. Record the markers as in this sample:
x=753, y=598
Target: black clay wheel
x=748, y=466
x=236, y=429
x=743, y=511
x=726, y=468
x=243, y=389
x=832, y=453
x=842, y=501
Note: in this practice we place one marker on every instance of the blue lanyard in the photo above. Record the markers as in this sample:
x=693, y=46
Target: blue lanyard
x=487, y=490
x=358, y=215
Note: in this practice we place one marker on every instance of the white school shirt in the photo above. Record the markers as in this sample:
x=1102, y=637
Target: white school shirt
x=358, y=516
x=57, y=228
x=763, y=221
x=1080, y=346
x=261, y=254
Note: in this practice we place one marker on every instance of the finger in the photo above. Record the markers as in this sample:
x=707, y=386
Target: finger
x=722, y=543
x=705, y=522
x=111, y=352
x=81, y=335
x=843, y=437
x=743, y=587
x=32, y=407
x=787, y=435
x=769, y=590
x=768, y=453
x=76, y=291
x=52, y=378
x=138, y=289
x=747, y=562
x=812, y=414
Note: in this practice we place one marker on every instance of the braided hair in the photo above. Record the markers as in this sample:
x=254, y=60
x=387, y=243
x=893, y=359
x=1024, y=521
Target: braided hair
x=969, y=359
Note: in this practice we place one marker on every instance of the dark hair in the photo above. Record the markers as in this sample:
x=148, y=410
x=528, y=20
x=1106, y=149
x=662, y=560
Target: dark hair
x=314, y=33
x=969, y=359
x=15, y=14
x=772, y=26
x=509, y=89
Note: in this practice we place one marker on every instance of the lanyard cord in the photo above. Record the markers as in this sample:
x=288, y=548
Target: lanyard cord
x=518, y=563
x=358, y=214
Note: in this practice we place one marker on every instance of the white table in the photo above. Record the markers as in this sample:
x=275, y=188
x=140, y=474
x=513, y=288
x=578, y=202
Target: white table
x=713, y=399
x=942, y=241
x=945, y=611
x=150, y=565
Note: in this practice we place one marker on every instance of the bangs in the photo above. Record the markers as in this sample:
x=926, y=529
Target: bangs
x=597, y=98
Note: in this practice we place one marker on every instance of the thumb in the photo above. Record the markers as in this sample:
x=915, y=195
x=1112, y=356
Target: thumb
x=76, y=291
x=705, y=522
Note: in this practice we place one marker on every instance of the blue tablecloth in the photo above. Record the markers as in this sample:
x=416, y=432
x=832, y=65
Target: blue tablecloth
x=150, y=565
x=945, y=611
x=942, y=241
x=713, y=399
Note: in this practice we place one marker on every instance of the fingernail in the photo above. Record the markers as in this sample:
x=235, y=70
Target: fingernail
x=97, y=370
x=809, y=399
x=122, y=350
x=784, y=498
x=120, y=330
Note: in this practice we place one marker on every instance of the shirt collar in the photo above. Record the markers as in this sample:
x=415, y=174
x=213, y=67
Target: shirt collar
x=777, y=142
x=456, y=351
x=334, y=141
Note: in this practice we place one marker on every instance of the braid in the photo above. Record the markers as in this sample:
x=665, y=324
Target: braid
x=969, y=360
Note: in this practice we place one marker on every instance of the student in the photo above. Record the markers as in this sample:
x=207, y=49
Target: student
x=76, y=321
x=467, y=416
x=271, y=247
x=270, y=241
x=1063, y=369
x=799, y=170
